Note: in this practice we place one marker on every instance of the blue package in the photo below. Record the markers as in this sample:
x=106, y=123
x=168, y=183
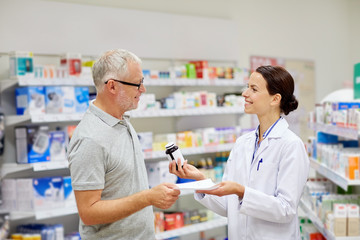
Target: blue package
x=30, y=100
x=38, y=144
x=81, y=99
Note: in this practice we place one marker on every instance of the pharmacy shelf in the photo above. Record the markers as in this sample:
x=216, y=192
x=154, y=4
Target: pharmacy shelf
x=184, y=112
x=42, y=118
x=193, y=82
x=49, y=118
x=335, y=177
x=215, y=223
x=8, y=168
x=320, y=226
x=191, y=151
x=79, y=81
x=346, y=132
x=28, y=81
x=43, y=214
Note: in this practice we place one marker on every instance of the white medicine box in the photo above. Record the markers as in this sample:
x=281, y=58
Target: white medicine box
x=40, y=193
x=21, y=64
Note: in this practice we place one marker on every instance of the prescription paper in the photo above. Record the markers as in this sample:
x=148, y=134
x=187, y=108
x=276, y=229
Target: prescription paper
x=206, y=184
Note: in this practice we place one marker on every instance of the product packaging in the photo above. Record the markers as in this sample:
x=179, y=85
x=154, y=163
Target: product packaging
x=30, y=100
x=72, y=62
x=32, y=144
x=21, y=64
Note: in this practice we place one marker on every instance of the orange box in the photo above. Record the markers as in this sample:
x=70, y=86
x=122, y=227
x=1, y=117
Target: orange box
x=353, y=167
x=159, y=222
x=173, y=221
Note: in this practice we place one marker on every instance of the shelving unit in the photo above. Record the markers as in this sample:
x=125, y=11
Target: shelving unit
x=8, y=168
x=14, y=120
x=49, y=118
x=335, y=177
x=218, y=222
x=320, y=226
x=192, y=151
x=43, y=214
x=80, y=81
x=351, y=133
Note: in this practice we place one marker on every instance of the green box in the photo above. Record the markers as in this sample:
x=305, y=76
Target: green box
x=357, y=81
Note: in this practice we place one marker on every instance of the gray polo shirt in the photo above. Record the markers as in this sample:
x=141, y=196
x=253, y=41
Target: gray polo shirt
x=105, y=153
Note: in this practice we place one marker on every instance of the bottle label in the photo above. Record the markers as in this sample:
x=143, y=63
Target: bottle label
x=175, y=156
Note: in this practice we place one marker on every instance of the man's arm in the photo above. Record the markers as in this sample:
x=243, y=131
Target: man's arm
x=93, y=210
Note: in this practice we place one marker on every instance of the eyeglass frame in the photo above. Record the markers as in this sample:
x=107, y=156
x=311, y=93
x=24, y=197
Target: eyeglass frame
x=127, y=83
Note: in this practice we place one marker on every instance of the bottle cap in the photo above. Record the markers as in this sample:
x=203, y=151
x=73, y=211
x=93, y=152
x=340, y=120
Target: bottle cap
x=169, y=145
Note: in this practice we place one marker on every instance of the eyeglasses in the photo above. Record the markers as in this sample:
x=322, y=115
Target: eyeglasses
x=127, y=83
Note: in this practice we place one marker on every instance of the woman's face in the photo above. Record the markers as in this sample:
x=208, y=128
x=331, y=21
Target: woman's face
x=257, y=97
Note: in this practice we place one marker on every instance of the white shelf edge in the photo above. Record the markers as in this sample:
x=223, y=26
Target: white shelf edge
x=184, y=112
x=347, y=132
x=43, y=214
x=42, y=118
x=8, y=168
x=339, y=180
x=192, y=82
x=320, y=226
x=191, y=151
x=218, y=222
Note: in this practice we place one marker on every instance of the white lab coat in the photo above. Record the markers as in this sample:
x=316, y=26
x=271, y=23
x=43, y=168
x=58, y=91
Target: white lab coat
x=273, y=186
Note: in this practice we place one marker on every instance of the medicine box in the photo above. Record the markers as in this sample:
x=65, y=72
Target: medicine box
x=81, y=99
x=40, y=193
x=8, y=189
x=21, y=64
x=340, y=220
x=72, y=62
x=146, y=140
x=68, y=94
x=32, y=144
x=30, y=100
x=158, y=172
x=69, y=196
x=57, y=145
x=53, y=99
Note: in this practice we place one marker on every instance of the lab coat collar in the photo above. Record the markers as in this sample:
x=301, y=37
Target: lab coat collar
x=276, y=132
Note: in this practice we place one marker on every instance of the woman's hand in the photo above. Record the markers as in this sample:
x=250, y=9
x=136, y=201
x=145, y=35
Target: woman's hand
x=226, y=188
x=187, y=171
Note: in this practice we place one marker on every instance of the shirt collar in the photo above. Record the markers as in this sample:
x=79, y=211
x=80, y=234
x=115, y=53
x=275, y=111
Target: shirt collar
x=105, y=117
x=267, y=132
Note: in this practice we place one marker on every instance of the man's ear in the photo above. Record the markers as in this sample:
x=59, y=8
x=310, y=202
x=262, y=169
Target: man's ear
x=111, y=86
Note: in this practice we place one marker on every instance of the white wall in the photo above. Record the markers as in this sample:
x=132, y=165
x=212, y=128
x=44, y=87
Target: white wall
x=354, y=16
x=325, y=31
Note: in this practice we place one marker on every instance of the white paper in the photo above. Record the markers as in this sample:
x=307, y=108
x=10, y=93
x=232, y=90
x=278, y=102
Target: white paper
x=206, y=184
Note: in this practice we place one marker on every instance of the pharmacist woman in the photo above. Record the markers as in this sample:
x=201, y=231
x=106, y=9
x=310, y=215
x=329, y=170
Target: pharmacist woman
x=267, y=168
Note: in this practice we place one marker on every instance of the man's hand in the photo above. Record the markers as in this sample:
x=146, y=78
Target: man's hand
x=163, y=195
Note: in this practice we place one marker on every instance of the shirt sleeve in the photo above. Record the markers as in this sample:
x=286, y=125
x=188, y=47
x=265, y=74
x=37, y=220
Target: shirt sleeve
x=86, y=164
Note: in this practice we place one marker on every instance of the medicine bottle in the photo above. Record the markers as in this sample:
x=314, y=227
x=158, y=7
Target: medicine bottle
x=173, y=153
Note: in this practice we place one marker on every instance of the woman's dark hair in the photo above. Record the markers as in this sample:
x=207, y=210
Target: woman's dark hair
x=280, y=81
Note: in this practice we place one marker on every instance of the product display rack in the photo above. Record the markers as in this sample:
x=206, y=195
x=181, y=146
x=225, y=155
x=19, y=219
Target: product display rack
x=43, y=214
x=48, y=118
x=320, y=226
x=338, y=179
x=347, y=132
x=198, y=227
x=335, y=177
x=14, y=120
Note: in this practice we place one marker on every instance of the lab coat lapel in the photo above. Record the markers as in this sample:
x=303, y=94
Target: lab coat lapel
x=250, y=145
